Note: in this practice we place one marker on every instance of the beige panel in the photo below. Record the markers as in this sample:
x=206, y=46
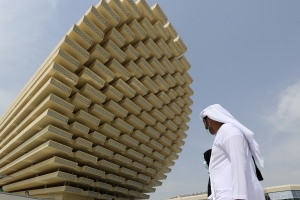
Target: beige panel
x=138, y=31
x=109, y=131
x=177, y=64
x=154, y=100
x=161, y=83
x=112, y=17
x=142, y=102
x=145, y=8
x=174, y=48
x=184, y=62
x=112, y=93
x=131, y=53
x=101, y=113
x=162, y=33
x=92, y=94
x=97, y=53
x=159, y=13
x=88, y=76
x=114, y=35
x=118, y=7
x=150, y=84
x=171, y=30
x=179, y=42
x=157, y=66
x=134, y=69
x=124, y=88
x=97, y=18
x=137, y=86
x=159, y=127
x=167, y=65
x=143, y=50
x=127, y=33
x=114, y=51
x=131, y=107
x=135, y=122
x=76, y=34
x=119, y=70
x=150, y=30
x=164, y=48
x=106, y=74
x=153, y=48
x=130, y=5
x=141, y=137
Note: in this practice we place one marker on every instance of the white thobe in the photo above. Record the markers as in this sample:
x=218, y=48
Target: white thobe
x=231, y=168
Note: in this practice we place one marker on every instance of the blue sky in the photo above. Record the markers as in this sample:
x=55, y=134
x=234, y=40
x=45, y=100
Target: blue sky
x=245, y=55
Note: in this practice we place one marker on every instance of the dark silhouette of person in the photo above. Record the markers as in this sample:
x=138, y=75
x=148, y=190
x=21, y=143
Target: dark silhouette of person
x=207, y=155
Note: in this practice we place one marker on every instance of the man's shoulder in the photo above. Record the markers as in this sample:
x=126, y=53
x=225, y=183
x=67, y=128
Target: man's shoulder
x=228, y=130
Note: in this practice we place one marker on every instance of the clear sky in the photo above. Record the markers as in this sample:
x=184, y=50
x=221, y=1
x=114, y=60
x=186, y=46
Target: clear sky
x=245, y=55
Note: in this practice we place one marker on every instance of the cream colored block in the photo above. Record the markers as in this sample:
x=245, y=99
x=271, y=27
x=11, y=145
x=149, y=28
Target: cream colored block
x=109, y=131
x=85, y=157
x=139, y=136
x=106, y=74
x=161, y=83
x=76, y=34
x=144, y=149
x=79, y=130
x=86, y=119
x=179, y=90
x=138, y=31
x=91, y=30
x=160, y=176
x=179, y=42
x=163, y=97
x=135, y=122
x=108, y=166
x=102, y=185
x=112, y=93
x=175, y=108
x=145, y=117
x=152, y=133
x=146, y=161
x=121, y=160
x=131, y=53
x=127, y=33
x=137, y=86
x=97, y=18
x=97, y=53
x=175, y=148
x=184, y=62
x=80, y=102
x=116, y=109
x=167, y=162
x=104, y=115
x=188, y=90
x=181, y=134
x=127, y=173
x=64, y=59
x=167, y=112
x=187, y=100
x=134, y=69
x=167, y=65
x=159, y=127
x=177, y=64
x=170, y=125
x=143, y=50
x=150, y=30
x=188, y=79
x=179, y=102
x=102, y=152
x=145, y=9
x=151, y=86
x=74, y=49
x=112, y=17
x=154, y=100
x=164, y=141
x=184, y=127
x=144, y=196
x=114, y=36
x=187, y=110
x=130, y=5
x=165, y=170
x=62, y=74
x=148, y=189
x=131, y=107
x=171, y=93
x=139, y=168
x=170, y=135
x=159, y=13
x=123, y=87
x=114, y=178
x=170, y=80
x=115, y=146
x=177, y=120
x=185, y=117
x=171, y=30
x=164, y=48
x=166, y=151
x=155, y=145
x=154, y=183
x=178, y=78
x=122, y=126
x=97, y=138
x=128, y=141
x=119, y=190
x=157, y=66
x=92, y=94
x=145, y=67
x=162, y=33
x=88, y=76
x=117, y=6
x=157, y=165
x=179, y=142
x=134, y=155
x=119, y=70
x=173, y=156
x=174, y=48
x=153, y=48
x=142, y=102
x=114, y=51
x=157, y=115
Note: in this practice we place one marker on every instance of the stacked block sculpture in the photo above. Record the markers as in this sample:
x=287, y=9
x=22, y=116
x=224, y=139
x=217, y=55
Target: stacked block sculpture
x=105, y=115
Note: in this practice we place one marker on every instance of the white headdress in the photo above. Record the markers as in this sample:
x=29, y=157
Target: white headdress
x=217, y=113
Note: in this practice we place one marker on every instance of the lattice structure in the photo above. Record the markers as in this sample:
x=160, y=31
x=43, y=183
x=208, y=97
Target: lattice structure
x=105, y=115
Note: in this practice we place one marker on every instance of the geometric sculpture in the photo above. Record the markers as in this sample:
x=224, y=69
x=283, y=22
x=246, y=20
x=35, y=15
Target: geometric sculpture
x=105, y=115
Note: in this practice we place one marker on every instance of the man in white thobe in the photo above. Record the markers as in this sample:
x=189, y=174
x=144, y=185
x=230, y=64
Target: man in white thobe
x=231, y=169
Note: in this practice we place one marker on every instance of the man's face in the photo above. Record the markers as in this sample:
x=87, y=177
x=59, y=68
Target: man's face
x=205, y=122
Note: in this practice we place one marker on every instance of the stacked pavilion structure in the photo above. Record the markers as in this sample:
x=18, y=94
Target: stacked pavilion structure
x=105, y=116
